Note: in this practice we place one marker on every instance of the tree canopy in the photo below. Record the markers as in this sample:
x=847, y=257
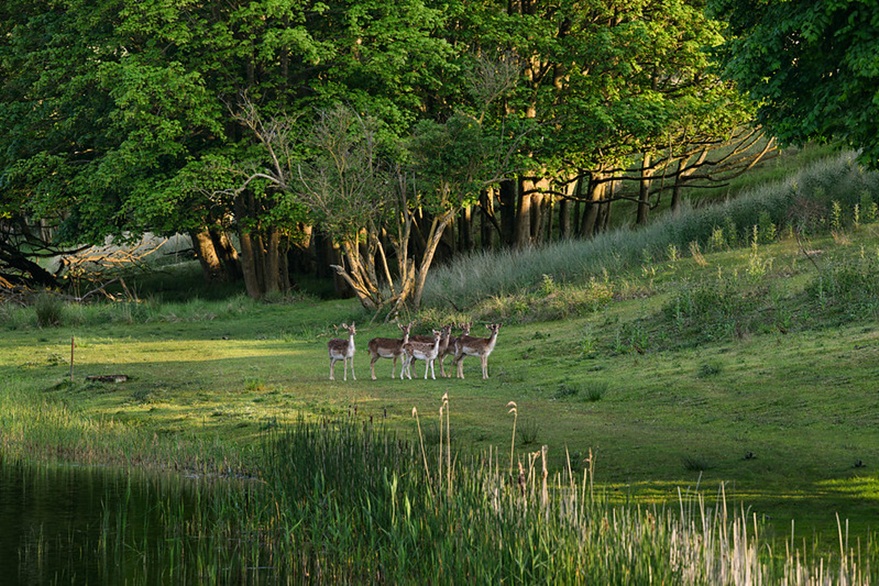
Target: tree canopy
x=212, y=119
x=811, y=66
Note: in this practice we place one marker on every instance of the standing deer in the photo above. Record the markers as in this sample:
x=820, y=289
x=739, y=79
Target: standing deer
x=388, y=348
x=342, y=350
x=445, y=340
x=449, y=348
x=482, y=347
x=422, y=351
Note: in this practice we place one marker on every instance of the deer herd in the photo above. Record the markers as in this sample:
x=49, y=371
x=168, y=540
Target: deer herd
x=408, y=349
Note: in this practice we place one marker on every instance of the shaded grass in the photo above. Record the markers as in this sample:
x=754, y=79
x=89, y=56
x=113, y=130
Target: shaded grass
x=710, y=358
x=346, y=502
x=803, y=203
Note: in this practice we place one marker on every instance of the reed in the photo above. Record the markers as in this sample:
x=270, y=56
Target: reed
x=348, y=502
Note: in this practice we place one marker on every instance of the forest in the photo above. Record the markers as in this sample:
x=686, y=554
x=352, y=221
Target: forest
x=369, y=136
x=366, y=141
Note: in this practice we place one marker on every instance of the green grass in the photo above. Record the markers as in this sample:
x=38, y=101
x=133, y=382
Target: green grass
x=750, y=366
x=641, y=386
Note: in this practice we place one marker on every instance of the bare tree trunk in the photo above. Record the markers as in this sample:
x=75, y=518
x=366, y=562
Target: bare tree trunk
x=465, y=230
x=226, y=251
x=564, y=218
x=597, y=189
x=211, y=267
x=440, y=223
x=249, y=266
x=549, y=216
x=523, y=218
x=644, y=190
x=272, y=270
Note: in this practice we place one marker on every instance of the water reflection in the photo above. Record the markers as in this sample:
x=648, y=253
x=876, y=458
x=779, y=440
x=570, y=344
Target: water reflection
x=67, y=524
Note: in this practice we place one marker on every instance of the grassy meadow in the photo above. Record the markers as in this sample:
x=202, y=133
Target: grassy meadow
x=731, y=351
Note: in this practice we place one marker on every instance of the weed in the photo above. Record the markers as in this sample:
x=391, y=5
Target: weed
x=696, y=254
x=49, y=309
x=709, y=369
x=255, y=385
x=528, y=431
x=695, y=464
x=595, y=390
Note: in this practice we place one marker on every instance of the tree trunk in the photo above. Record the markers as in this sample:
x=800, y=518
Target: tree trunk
x=523, y=218
x=507, y=196
x=485, y=224
x=206, y=253
x=272, y=269
x=465, y=230
x=597, y=189
x=644, y=190
x=249, y=266
x=564, y=218
x=226, y=252
x=440, y=223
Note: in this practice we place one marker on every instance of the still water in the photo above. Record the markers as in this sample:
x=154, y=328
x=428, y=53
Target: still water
x=77, y=525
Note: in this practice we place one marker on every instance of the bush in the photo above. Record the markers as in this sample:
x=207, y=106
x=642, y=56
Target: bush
x=49, y=309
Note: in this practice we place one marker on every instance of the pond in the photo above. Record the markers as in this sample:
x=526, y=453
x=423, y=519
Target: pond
x=87, y=525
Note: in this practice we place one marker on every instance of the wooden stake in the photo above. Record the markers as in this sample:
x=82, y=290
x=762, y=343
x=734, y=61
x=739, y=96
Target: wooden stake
x=72, y=346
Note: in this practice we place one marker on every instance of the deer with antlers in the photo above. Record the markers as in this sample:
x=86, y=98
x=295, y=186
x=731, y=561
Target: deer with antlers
x=388, y=348
x=342, y=349
x=482, y=347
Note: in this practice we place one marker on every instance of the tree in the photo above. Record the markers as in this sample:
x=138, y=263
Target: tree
x=606, y=84
x=367, y=189
x=120, y=114
x=811, y=66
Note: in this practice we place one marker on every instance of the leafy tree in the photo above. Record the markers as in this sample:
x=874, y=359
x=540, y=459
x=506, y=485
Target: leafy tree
x=811, y=65
x=121, y=114
x=605, y=84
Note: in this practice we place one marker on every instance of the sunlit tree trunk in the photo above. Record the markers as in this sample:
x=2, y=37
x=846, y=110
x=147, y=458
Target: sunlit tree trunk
x=205, y=252
x=644, y=190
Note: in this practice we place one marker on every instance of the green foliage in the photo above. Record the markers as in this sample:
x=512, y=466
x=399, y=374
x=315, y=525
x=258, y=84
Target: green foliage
x=49, y=309
x=809, y=65
x=848, y=290
x=799, y=203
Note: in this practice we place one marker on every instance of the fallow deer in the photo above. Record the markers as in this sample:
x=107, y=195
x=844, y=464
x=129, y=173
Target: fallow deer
x=449, y=349
x=445, y=337
x=341, y=349
x=388, y=348
x=422, y=351
x=482, y=347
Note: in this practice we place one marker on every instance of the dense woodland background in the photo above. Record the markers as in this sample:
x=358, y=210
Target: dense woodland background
x=365, y=140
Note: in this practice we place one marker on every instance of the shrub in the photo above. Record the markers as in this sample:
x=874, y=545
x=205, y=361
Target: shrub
x=49, y=309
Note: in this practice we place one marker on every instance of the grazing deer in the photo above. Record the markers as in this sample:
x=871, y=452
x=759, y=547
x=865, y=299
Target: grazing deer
x=388, y=348
x=445, y=340
x=423, y=351
x=449, y=348
x=482, y=347
x=342, y=350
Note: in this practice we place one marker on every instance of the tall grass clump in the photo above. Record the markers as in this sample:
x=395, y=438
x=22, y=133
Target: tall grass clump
x=49, y=310
x=346, y=502
x=847, y=291
x=800, y=203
